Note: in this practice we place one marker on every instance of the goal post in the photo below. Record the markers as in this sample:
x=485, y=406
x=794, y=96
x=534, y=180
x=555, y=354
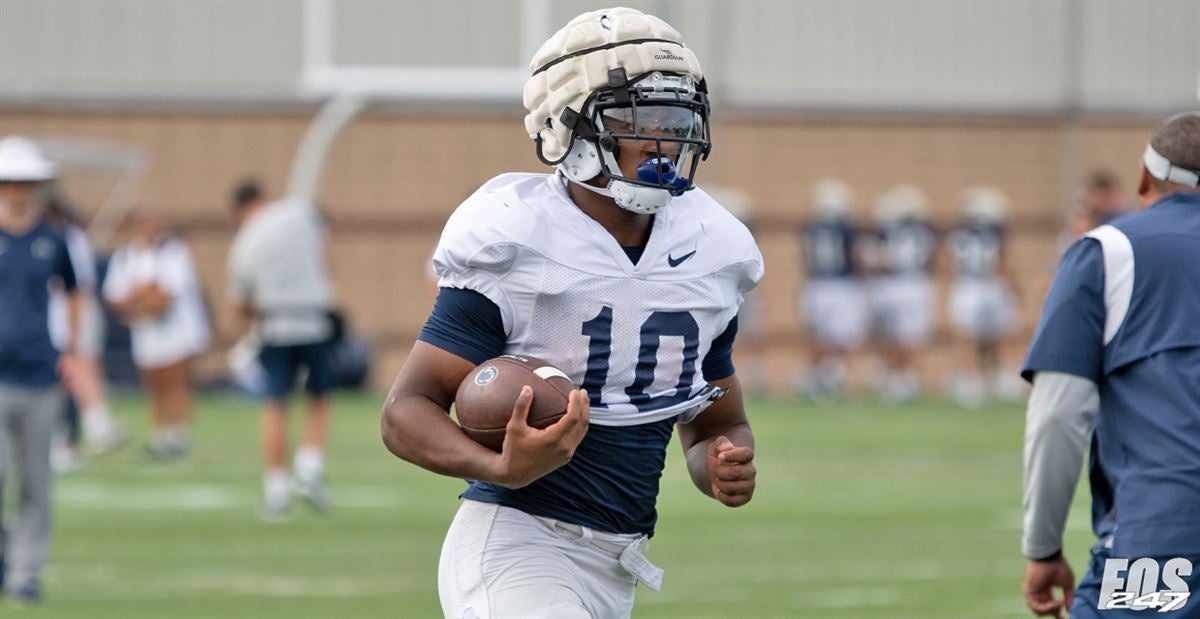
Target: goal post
x=348, y=89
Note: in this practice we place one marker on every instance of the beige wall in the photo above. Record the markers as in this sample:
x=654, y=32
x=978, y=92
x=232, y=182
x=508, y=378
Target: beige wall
x=392, y=179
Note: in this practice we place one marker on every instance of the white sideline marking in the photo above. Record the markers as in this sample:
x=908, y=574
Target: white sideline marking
x=192, y=497
x=250, y=584
x=85, y=495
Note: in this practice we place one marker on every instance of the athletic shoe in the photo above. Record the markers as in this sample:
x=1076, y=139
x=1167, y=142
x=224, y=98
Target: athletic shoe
x=274, y=514
x=315, y=495
x=164, y=451
x=65, y=460
x=26, y=595
x=115, y=438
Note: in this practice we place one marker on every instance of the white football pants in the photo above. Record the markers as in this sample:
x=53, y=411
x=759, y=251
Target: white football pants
x=501, y=563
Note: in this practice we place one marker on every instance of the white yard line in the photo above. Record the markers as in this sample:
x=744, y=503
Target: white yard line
x=89, y=495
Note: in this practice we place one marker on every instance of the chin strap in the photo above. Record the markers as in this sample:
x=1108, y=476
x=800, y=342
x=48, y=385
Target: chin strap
x=633, y=198
x=604, y=191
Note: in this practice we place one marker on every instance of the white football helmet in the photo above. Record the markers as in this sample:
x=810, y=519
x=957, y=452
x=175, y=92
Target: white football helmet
x=831, y=200
x=986, y=205
x=901, y=203
x=617, y=79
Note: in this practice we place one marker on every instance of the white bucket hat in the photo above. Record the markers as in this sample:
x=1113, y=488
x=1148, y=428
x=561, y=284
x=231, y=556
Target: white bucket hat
x=22, y=161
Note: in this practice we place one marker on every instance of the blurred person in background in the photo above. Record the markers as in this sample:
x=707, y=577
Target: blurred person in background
x=833, y=300
x=1116, y=359
x=1103, y=200
x=901, y=293
x=33, y=260
x=152, y=284
x=983, y=307
x=279, y=281
x=86, y=392
x=1100, y=200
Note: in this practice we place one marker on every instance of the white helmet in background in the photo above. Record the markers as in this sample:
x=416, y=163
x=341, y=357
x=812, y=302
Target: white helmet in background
x=21, y=161
x=900, y=203
x=986, y=205
x=618, y=78
x=831, y=200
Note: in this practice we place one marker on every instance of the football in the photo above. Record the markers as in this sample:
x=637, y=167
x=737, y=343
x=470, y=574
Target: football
x=484, y=402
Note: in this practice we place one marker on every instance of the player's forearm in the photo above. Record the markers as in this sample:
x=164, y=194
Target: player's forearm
x=241, y=317
x=75, y=303
x=1062, y=411
x=419, y=431
x=137, y=304
x=155, y=302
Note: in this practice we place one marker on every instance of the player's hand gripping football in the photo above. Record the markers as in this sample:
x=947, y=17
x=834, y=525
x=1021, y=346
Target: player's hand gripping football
x=1041, y=578
x=530, y=453
x=731, y=472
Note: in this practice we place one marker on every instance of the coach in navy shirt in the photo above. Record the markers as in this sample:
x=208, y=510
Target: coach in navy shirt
x=1116, y=359
x=33, y=258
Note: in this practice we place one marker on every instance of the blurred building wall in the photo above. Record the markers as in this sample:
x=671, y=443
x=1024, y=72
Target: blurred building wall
x=872, y=54
x=393, y=178
x=1024, y=95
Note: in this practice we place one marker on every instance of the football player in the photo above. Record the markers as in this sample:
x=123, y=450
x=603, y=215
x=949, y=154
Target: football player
x=982, y=304
x=1116, y=362
x=86, y=394
x=902, y=294
x=617, y=270
x=835, y=307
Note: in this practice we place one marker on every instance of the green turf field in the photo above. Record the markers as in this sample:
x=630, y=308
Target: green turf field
x=861, y=511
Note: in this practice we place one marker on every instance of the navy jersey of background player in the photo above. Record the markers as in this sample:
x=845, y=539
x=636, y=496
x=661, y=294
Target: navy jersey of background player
x=1123, y=313
x=906, y=247
x=829, y=249
x=977, y=249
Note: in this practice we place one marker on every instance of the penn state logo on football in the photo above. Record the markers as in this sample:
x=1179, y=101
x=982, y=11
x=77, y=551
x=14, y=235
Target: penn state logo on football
x=486, y=375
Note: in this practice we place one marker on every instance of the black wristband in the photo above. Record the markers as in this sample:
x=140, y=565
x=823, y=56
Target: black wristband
x=1055, y=556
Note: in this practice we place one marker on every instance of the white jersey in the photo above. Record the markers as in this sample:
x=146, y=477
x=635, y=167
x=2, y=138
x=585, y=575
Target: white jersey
x=90, y=342
x=277, y=266
x=632, y=335
x=182, y=330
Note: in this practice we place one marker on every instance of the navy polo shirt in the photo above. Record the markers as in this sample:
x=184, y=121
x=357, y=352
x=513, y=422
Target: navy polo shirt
x=29, y=264
x=1124, y=312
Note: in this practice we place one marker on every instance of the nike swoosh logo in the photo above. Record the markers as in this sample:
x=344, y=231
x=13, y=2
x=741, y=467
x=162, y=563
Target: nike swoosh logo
x=674, y=262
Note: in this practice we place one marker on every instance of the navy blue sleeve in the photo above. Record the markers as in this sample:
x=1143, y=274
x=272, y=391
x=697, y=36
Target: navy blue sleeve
x=718, y=363
x=63, y=267
x=465, y=323
x=1070, y=335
